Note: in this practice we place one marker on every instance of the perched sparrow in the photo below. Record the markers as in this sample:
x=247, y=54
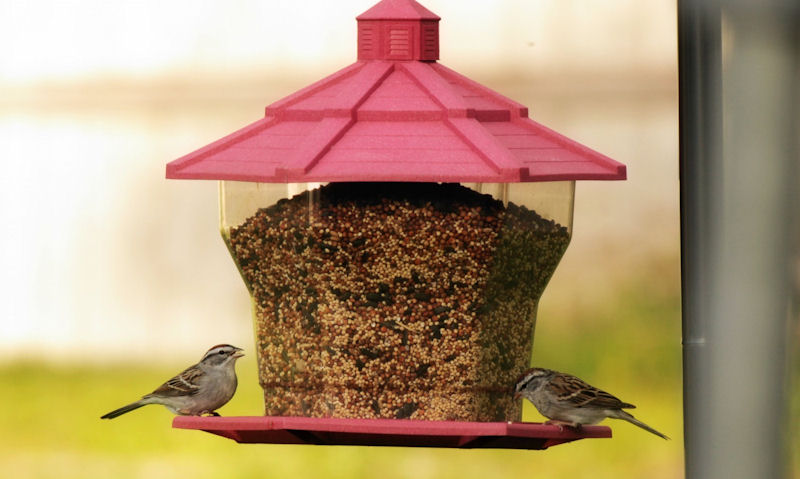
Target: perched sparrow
x=200, y=389
x=567, y=400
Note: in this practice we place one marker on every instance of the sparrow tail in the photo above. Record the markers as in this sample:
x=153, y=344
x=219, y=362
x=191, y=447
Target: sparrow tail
x=626, y=416
x=118, y=412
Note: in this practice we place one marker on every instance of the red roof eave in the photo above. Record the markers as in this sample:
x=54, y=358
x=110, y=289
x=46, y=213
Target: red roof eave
x=395, y=121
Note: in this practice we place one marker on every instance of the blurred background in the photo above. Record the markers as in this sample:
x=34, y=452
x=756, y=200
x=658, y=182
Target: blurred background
x=113, y=278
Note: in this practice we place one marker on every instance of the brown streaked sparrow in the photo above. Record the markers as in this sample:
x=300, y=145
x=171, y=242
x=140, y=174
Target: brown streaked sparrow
x=198, y=390
x=567, y=400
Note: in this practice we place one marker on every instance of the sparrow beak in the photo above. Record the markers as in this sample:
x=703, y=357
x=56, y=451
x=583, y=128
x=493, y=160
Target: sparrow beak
x=238, y=353
x=517, y=395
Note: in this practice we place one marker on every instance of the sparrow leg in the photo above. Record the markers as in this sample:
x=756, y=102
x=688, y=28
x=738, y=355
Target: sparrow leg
x=561, y=424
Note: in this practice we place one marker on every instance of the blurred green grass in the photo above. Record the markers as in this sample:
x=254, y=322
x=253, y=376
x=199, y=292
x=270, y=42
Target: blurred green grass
x=630, y=346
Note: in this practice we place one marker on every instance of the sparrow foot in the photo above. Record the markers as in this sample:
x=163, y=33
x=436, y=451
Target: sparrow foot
x=561, y=424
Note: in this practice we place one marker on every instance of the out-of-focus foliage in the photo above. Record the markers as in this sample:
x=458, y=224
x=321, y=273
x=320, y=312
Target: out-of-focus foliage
x=630, y=346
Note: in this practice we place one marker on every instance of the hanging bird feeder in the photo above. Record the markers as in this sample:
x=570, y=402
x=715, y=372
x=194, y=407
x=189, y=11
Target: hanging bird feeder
x=395, y=224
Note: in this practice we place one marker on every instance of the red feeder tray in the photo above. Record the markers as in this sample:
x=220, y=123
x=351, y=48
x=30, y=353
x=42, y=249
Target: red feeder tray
x=388, y=432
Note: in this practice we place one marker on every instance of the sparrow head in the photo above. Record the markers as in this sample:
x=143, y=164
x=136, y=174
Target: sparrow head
x=221, y=354
x=530, y=380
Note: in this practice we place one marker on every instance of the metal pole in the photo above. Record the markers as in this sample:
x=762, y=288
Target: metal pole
x=738, y=217
x=700, y=104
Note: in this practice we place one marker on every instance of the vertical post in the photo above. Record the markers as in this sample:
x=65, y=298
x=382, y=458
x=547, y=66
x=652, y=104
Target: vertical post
x=700, y=110
x=738, y=216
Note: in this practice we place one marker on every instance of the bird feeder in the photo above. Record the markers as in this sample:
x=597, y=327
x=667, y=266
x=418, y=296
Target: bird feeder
x=395, y=224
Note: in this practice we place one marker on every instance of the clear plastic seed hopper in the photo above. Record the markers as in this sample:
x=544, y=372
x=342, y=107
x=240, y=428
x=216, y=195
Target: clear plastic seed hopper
x=395, y=224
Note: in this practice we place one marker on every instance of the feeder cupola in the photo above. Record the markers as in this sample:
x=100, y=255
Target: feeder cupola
x=398, y=30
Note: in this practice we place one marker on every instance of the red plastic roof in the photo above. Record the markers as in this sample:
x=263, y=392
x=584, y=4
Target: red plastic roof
x=388, y=119
x=398, y=10
x=388, y=432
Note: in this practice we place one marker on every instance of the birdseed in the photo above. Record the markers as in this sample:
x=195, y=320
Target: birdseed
x=395, y=300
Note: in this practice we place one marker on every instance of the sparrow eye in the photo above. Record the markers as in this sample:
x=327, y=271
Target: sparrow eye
x=221, y=352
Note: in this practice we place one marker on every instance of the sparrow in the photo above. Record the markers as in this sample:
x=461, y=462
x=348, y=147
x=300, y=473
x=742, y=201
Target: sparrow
x=198, y=390
x=568, y=400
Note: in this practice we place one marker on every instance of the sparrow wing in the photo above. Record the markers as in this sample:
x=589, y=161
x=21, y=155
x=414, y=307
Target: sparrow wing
x=184, y=384
x=579, y=393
